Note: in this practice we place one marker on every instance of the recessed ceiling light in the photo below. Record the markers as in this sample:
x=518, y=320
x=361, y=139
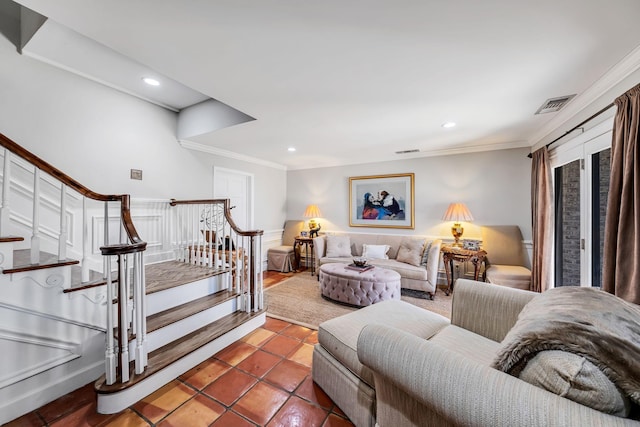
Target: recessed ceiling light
x=448, y=124
x=291, y=149
x=151, y=81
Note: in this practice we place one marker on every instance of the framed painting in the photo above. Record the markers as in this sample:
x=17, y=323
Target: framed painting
x=381, y=201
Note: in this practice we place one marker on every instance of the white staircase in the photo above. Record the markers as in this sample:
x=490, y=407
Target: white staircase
x=130, y=327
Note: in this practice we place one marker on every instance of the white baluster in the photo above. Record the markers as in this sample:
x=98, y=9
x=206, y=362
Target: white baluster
x=6, y=187
x=194, y=230
x=62, y=238
x=85, y=242
x=35, y=236
x=143, y=309
x=123, y=300
x=138, y=312
x=110, y=356
x=106, y=237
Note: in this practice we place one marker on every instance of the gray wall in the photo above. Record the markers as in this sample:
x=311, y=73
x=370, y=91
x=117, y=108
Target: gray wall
x=495, y=186
x=96, y=134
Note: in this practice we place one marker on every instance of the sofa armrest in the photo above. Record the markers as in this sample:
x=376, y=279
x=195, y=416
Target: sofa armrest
x=433, y=261
x=319, y=249
x=419, y=383
x=486, y=309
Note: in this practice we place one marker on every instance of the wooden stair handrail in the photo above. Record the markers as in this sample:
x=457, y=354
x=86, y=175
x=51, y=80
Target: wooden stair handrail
x=227, y=213
x=124, y=199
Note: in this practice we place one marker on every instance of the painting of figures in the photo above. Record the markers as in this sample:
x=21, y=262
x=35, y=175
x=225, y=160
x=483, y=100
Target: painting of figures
x=381, y=201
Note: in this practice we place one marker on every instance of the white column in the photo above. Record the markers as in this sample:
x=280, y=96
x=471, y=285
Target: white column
x=110, y=356
x=123, y=301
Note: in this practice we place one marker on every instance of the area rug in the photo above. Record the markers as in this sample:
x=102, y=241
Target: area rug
x=298, y=300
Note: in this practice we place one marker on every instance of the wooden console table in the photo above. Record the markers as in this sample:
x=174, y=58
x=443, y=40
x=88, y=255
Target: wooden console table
x=455, y=253
x=308, y=256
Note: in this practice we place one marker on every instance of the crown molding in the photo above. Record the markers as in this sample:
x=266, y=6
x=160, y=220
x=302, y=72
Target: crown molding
x=433, y=153
x=229, y=154
x=615, y=75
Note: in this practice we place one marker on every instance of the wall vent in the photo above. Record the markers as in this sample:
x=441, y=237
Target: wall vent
x=554, y=104
x=407, y=151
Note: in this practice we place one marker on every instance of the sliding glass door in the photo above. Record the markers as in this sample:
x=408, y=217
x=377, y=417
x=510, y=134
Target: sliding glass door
x=581, y=184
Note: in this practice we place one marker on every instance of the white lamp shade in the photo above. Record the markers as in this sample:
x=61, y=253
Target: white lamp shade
x=457, y=212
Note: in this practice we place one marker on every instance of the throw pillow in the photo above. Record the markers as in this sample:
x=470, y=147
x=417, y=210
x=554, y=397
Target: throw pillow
x=425, y=253
x=375, y=251
x=338, y=246
x=574, y=377
x=410, y=251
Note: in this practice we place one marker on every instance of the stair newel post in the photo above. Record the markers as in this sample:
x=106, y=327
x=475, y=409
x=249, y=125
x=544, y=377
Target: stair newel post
x=35, y=234
x=62, y=238
x=123, y=319
x=257, y=261
x=143, y=308
x=110, y=356
x=85, y=241
x=6, y=187
x=253, y=274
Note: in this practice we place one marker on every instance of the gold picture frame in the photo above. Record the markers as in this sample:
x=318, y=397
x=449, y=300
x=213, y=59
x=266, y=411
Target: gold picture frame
x=382, y=201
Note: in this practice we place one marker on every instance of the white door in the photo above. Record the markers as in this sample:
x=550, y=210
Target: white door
x=237, y=186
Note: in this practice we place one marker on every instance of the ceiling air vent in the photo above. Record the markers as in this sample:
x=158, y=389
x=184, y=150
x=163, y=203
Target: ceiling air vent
x=554, y=104
x=407, y=151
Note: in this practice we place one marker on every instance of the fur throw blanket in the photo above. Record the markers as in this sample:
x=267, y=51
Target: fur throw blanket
x=589, y=322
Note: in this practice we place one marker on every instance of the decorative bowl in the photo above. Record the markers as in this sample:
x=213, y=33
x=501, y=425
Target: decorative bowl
x=360, y=261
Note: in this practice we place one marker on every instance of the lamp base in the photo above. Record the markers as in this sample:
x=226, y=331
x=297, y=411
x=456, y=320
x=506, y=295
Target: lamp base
x=457, y=231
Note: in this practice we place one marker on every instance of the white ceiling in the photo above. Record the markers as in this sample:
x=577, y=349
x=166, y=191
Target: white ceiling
x=355, y=81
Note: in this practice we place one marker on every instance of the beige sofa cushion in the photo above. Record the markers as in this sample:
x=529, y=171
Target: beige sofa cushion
x=339, y=336
x=411, y=251
x=464, y=342
x=513, y=276
x=338, y=246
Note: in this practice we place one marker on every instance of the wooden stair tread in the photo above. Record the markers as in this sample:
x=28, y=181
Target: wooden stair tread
x=95, y=280
x=166, y=355
x=22, y=261
x=6, y=239
x=169, y=274
x=174, y=314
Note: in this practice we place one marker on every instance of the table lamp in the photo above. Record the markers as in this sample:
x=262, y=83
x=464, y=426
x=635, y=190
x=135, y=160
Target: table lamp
x=313, y=212
x=457, y=212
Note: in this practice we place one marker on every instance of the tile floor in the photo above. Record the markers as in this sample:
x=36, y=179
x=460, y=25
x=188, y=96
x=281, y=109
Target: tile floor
x=264, y=379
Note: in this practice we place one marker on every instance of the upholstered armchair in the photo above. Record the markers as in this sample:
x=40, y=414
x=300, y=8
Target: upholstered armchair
x=282, y=258
x=506, y=258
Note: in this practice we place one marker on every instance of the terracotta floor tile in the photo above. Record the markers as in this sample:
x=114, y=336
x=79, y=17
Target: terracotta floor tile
x=68, y=403
x=298, y=413
x=128, y=418
x=236, y=353
x=281, y=345
x=229, y=387
x=335, y=421
x=200, y=411
x=85, y=416
x=303, y=355
x=205, y=373
x=287, y=375
x=259, y=363
x=27, y=420
x=296, y=331
x=312, y=339
x=312, y=392
x=231, y=419
x=261, y=403
x=275, y=325
x=258, y=337
x=158, y=404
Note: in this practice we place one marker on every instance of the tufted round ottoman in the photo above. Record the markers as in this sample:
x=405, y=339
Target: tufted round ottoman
x=358, y=288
